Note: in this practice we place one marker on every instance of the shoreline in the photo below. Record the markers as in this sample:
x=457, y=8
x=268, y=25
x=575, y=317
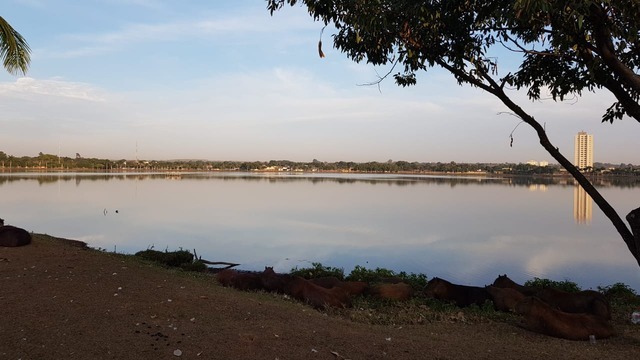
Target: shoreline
x=76, y=303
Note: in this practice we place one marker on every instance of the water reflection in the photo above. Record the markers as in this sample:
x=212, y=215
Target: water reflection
x=582, y=206
x=533, y=183
x=537, y=187
x=466, y=229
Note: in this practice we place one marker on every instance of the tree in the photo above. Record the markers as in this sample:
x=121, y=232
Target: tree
x=14, y=50
x=567, y=47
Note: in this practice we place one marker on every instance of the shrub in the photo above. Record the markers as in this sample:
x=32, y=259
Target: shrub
x=196, y=266
x=318, y=270
x=167, y=258
x=417, y=281
x=564, y=285
x=360, y=273
x=620, y=293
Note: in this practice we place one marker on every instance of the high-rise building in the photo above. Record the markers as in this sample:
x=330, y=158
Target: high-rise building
x=583, y=155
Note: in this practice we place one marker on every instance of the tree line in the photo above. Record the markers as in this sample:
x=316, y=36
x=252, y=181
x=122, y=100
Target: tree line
x=49, y=162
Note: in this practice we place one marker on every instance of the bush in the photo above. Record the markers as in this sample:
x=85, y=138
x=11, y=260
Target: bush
x=360, y=273
x=167, y=258
x=565, y=285
x=620, y=293
x=196, y=266
x=417, y=281
x=318, y=270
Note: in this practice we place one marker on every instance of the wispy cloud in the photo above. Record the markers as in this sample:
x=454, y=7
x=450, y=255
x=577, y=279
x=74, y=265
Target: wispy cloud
x=215, y=29
x=53, y=87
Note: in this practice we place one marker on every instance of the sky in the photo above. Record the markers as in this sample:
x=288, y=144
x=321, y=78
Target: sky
x=225, y=80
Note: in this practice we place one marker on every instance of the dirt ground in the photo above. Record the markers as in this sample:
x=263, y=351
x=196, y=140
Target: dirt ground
x=59, y=300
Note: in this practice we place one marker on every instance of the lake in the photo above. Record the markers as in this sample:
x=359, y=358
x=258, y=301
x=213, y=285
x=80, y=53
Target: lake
x=464, y=229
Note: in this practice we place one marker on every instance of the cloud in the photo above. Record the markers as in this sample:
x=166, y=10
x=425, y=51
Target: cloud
x=262, y=114
x=26, y=86
x=214, y=29
x=546, y=255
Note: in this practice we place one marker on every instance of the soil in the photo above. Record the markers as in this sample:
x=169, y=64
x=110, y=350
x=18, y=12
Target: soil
x=62, y=300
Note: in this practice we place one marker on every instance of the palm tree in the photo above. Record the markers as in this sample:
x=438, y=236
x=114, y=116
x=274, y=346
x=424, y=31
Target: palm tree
x=14, y=50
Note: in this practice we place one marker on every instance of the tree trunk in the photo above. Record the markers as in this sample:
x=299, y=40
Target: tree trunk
x=631, y=239
x=634, y=221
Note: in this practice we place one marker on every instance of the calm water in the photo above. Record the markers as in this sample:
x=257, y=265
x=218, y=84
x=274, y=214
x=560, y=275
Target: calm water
x=467, y=230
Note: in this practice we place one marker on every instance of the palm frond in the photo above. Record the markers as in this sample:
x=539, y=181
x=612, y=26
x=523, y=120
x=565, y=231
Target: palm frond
x=14, y=50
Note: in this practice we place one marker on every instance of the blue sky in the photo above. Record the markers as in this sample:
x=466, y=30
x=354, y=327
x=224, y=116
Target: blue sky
x=223, y=80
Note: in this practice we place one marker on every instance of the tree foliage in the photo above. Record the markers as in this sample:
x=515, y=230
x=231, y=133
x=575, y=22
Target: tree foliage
x=567, y=47
x=14, y=50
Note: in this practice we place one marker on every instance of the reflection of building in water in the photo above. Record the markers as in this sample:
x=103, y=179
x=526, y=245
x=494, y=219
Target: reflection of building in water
x=583, y=155
x=538, y=163
x=582, y=205
x=538, y=187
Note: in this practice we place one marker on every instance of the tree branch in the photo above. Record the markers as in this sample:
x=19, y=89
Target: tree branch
x=605, y=49
x=381, y=78
x=631, y=106
x=632, y=244
x=634, y=221
x=523, y=49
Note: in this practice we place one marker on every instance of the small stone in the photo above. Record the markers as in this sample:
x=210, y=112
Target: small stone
x=177, y=352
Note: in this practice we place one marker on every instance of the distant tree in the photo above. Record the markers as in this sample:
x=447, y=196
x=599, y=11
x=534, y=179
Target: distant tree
x=567, y=46
x=14, y=50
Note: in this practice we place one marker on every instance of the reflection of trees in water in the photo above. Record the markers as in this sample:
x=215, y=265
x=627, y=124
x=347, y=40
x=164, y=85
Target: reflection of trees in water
x=619, y=182
x=372, y=179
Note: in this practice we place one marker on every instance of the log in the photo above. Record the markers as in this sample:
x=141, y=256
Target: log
x=229, y=265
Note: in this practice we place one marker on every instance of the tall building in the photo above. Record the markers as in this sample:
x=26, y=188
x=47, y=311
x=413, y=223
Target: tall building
x=583, y=155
